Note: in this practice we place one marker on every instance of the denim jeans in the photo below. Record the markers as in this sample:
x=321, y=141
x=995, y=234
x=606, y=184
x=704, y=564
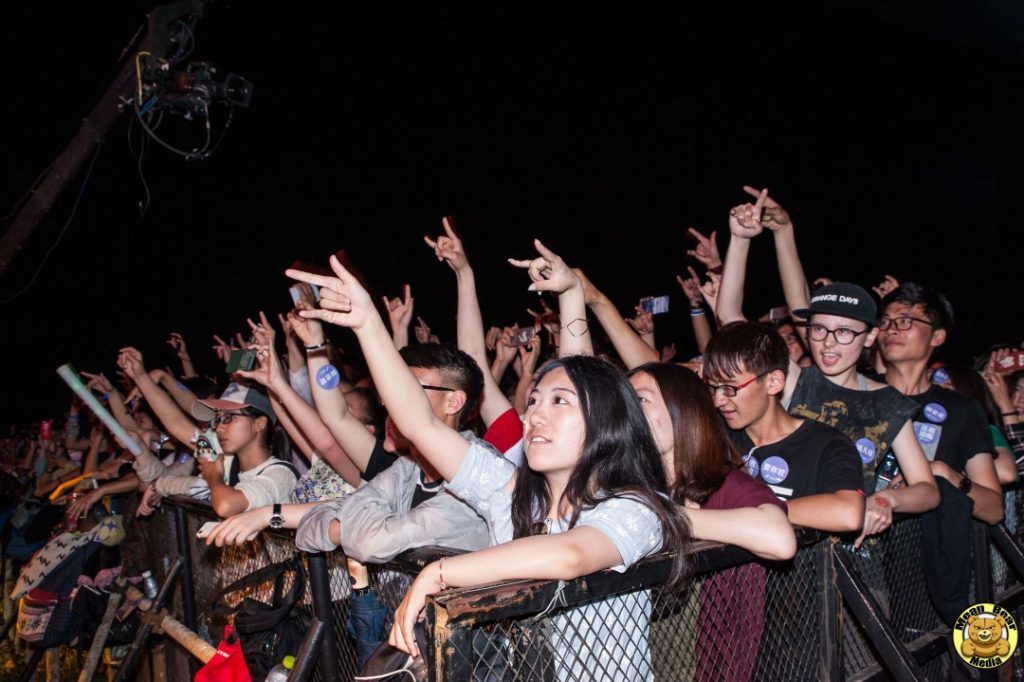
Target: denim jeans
x=365, y=624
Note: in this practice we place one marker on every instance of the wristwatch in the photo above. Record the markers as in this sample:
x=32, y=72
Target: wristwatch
x=276, y=517
x=965, y=485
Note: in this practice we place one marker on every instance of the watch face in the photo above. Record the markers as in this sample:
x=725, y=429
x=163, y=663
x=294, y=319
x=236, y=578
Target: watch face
x=276, y=521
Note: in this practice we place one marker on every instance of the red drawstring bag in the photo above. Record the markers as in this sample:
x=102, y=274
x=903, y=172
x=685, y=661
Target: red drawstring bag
x=228, y=664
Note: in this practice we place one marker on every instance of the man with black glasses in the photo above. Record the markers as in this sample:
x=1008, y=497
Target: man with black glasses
x=813, y=467
x=951, y=427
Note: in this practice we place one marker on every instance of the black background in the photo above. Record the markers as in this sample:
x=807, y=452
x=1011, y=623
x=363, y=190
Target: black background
x=891, y=131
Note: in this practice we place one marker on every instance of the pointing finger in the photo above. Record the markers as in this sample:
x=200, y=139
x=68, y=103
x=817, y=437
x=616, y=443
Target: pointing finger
x=310, y=278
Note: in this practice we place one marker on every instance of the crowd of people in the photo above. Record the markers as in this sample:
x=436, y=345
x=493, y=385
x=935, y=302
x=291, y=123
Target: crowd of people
x=543, y=460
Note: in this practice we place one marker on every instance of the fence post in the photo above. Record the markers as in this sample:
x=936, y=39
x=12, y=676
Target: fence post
x=449, y=646
x=188, y=591
x=982, y=565
x=897, y=659
x=829, y=605
x=323, y=607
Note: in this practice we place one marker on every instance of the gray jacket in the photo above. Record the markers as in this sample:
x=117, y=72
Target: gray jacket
x=378, y=524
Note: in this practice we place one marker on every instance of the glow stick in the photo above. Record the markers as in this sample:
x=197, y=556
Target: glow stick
x=71, y=378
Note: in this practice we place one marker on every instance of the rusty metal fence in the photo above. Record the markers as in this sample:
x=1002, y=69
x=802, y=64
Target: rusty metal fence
x=832, y=613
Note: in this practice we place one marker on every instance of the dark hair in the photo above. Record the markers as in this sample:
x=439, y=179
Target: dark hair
x=937, y=307
x=703, y=453
x=456, y=367
x=201, y=387
x=619, y=459
x=751, y=346
x=374, y=413
x=969, y=382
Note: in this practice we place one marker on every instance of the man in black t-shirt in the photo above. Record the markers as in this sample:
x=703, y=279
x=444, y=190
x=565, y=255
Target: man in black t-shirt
x=951, y=427
x=812, y=466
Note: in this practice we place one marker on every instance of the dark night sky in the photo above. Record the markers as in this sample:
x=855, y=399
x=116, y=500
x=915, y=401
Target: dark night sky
x=890, y=130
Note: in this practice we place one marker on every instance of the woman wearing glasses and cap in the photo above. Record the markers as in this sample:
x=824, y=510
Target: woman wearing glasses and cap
x=243, y=422
x=840, y=326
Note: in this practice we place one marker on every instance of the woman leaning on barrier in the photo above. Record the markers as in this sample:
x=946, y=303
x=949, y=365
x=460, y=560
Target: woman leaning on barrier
x=725, y=504
x=591, y=496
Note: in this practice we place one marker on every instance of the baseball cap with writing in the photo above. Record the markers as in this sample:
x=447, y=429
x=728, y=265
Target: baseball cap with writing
x=843, y=299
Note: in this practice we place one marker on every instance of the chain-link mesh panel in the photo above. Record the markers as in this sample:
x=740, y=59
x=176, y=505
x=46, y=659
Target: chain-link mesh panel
x=605, y=639
x=740, y=623
x=790, y=644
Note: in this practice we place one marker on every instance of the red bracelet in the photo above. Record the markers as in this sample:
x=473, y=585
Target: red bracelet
x=440, y=573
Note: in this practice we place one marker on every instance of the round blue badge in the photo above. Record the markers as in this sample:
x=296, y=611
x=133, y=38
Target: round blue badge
x=327, y=377
x=866, y=449
x=774, y=470
x=926, y=433
x=940, y=376
x=935, y=413
x=752, y=466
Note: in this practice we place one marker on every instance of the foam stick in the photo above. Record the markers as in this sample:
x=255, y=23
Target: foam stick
x=71, y=378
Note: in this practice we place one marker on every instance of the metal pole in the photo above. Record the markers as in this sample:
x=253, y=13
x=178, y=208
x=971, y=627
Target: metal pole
x=320, y=589
x=162, y=597
x=895, y=656
x=188, y=590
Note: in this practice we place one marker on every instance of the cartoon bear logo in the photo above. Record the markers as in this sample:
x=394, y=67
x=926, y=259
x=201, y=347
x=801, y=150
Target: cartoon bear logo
x=985, y=637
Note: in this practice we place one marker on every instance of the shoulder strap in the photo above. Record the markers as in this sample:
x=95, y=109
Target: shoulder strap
x=282, y=464
x=233, y=472
x=265, y=574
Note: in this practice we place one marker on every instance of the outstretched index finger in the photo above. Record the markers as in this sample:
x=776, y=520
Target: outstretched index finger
x=311, y=278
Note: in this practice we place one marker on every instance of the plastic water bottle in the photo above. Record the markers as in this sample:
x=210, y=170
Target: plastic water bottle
x=280, y=672
x=149, y=586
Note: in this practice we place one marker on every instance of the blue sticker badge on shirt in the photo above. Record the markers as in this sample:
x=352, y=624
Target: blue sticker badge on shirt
x=935, y=413
x=752, y=466
x=327, y=377
x=940, y=376
x=774, y=470
x=926, y=433
x=866, y=449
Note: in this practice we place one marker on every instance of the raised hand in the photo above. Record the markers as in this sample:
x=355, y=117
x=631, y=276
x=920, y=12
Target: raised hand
x=505, y=350
x=269, y=368
x=886, y=286
x=548, y=272
x=448, y=247
x=178, y=344
x=309, y=331
x=547, y=319
x=222, y=348
x=706, y=250
x=774, y=216
x=422, y=330
x=529, y=354
x=491, y=340
x=745, y=220
x=709, y=290
x=130, y=361
x=691, y=287
x=343, y=300
x=99, y=382
x=643, y=323
x=400, y=309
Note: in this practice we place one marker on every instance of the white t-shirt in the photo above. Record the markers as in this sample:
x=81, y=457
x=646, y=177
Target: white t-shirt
x=614, y=629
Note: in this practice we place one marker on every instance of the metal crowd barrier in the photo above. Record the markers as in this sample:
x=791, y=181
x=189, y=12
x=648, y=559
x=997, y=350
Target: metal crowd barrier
x=831, y=613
